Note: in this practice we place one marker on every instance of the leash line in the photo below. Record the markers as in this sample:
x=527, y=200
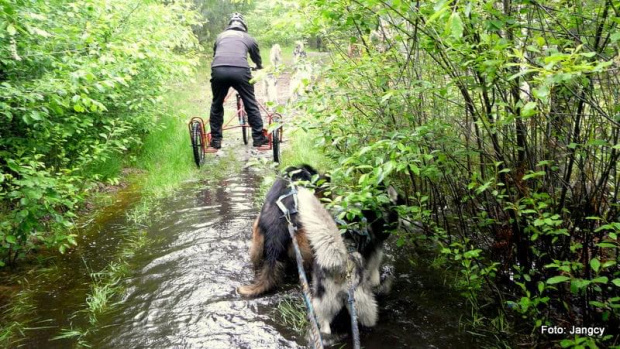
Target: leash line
x=314, y=329
x=353, y=312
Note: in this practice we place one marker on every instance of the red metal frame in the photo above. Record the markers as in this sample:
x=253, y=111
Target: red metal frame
x=206, y=141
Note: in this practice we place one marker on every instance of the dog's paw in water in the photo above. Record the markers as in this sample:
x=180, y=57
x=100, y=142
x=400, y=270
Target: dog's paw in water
x=329, y=339
x=387, y=281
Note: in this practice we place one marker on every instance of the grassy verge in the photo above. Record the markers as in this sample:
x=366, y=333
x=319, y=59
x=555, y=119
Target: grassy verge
x=165, y=157
x=301, y=149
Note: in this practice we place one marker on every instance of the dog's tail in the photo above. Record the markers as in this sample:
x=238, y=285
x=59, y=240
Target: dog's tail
x=267, y=278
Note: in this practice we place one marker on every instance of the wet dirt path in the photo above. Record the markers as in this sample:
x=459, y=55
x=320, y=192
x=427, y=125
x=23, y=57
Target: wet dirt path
x=181, y=292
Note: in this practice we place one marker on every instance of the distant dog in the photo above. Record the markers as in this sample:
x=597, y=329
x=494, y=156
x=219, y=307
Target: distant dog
x=299, y=52
x=271, y=247
x=272, y=88
x=299, y=80
x=275, y=55
x=269, y=87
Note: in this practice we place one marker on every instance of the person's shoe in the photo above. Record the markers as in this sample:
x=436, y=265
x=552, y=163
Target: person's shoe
x=216, y=143
x=262, y=140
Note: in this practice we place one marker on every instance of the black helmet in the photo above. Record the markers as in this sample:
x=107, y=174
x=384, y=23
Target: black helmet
x=236, y=20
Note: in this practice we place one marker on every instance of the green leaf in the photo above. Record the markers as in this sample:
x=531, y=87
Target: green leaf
x=597, y=304
x=11, y=239
x=529, y=109
x=534, y=174
x=616, y=282
x=600, y=280
x=595, y=264
x=541, y=287
x=437, y=14
x=557, y=279
x=456, y=25
x=541, y=92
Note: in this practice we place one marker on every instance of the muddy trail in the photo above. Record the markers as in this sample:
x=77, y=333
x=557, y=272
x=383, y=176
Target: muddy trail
x=181, y=292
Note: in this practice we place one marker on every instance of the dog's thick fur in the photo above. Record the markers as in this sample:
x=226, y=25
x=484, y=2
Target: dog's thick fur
x=323, y=247
x=330, y=283
x=271, y=247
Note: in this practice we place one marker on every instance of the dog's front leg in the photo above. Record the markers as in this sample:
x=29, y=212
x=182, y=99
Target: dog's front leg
x=373, y=265
x=327, y=300
x=366, y=307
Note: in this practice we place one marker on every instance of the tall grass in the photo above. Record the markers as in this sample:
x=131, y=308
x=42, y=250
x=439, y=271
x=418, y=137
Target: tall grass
x=105, y=287
x=291, y=312
x=301, y=149
x=166, y=155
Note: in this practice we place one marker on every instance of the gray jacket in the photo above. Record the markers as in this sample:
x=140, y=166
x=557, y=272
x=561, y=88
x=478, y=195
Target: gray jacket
x=232, y=47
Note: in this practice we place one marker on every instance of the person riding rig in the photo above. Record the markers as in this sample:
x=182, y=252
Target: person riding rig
x=230, y=68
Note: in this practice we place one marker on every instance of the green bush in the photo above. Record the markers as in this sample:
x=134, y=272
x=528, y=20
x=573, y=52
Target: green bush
x=500, y=125
x=78, y=84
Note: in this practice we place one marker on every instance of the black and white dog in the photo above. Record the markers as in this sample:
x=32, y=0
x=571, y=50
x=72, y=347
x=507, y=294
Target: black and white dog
x=337, y=260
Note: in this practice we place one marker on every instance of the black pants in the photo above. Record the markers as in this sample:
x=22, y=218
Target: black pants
x=223, y=78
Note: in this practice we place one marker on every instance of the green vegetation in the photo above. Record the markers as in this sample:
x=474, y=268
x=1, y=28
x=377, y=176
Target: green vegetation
x=498, y=121
x=291, y=312
x=301, y=149
x=163, y=158
x=105, y=286
x=79, y=84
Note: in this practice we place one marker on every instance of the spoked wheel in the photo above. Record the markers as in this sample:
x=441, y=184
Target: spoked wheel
x=197, y=137
x=243, y=120
x=276, y=139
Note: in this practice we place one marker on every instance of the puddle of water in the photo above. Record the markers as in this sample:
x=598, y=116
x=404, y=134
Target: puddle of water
x=419, y=312
x=61, y=292
x=182, y=290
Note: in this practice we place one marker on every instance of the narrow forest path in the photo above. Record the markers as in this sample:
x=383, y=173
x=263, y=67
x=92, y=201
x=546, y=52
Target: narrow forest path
x=181, y=292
